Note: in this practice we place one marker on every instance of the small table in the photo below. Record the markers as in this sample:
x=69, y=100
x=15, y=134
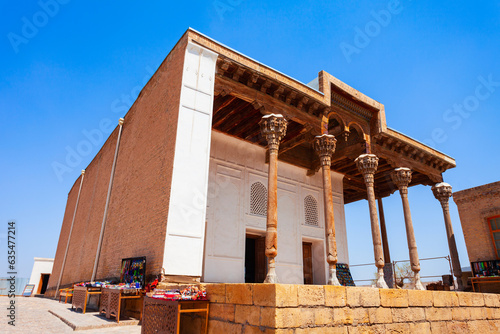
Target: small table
x=111, y=301
x=483, y=280
x=164, y=316
x=81, y=295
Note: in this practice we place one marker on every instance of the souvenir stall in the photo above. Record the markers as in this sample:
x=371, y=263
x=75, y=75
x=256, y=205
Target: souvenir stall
x=485, y=272
x=125, y=298
x=167, y=311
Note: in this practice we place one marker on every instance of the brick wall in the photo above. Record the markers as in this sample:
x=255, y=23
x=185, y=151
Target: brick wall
x=282, y=308
x=138, y=207
x=475, y=205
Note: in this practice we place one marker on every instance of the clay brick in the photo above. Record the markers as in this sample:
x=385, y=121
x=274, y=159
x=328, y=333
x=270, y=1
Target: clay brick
x=286, y=295
x=268, y=317
x=216, y=326
x=311, y=295
x=491, y=300
x=365, y=297
x=397, y=328
x=323, y=316
x=394, y=297
x=439, y=327
x=411, y=314
x=476, y=313
x=437, y=314
x=264, y=294
x=275, y=295
x=288, y=317
x=283, y=331
x=460, y=313
x=479, y=326
x=360, y=316
x=420, y=298
x=458, y=327
x=489, y=313
x=247, y=314
x=445, y=298
x=216, y=292
x=375, y=329
x=247, y=329
x=335, y=295
x=420, y=328
x=221, y=311
x=307, y=316
x=239, y=293
x=495, y=326
x=342, y=316
x=380, y=315
x=470, y=299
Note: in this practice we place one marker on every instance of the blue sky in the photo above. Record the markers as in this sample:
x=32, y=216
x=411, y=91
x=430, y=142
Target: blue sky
x=68, y=67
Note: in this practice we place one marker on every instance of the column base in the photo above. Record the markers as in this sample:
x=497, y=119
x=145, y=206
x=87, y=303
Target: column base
x=271, y=276
x=381, y=284
x=332, y=279
x=460, y=283
x=418, y=284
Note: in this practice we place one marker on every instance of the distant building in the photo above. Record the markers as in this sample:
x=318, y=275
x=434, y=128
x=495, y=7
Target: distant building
x=479, y=210
x=40, y=274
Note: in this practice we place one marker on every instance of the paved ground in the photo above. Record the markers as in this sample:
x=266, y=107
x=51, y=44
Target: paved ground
x=36, y=315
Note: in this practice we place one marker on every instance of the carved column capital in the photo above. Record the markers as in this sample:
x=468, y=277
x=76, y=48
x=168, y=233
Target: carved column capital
x=367, y=164
x=442, y=191
x=324, y=145
x=273, y=128
x=402, y=178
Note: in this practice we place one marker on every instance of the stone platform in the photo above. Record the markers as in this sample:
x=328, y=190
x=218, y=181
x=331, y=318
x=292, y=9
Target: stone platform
x=287, y=309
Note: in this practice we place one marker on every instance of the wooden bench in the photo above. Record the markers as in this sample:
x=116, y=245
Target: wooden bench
x=66, y=293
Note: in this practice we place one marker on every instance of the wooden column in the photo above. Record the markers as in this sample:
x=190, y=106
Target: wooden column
x=325, y=146
x=367, y=165
x=443, y=191
x=402, y=177
x=388, y=272
x=273, y=128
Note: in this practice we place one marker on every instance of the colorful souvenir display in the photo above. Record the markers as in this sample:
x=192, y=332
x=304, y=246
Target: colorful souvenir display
x=344, y=275
x=485, y=268
x=94, y=284
x=189, y=293
x=133, y=270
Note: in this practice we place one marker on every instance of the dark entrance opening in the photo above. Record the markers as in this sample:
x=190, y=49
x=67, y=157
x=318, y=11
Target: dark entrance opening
x=255, y=259
x=307, y=262
x=44, y=280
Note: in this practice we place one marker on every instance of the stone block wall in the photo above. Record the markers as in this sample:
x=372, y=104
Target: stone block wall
x=294, y=309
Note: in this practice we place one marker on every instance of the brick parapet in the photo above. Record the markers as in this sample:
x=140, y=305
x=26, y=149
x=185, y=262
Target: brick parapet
x=281, y=308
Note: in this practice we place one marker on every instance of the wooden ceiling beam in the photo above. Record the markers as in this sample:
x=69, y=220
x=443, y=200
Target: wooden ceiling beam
x=270, y=104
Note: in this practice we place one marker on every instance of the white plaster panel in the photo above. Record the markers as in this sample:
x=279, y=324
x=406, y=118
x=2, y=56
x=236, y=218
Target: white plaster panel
x=181, y=256
x=227, y=218
x=224, y=270
x=293, y=186
x=288, y=224
x=185, y=235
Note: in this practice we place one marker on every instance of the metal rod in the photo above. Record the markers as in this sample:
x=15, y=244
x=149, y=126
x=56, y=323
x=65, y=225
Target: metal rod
x=120, y=123
x=69, y=236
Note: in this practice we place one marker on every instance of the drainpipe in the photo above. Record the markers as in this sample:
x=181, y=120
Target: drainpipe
x=120, y=123
x=69, y=236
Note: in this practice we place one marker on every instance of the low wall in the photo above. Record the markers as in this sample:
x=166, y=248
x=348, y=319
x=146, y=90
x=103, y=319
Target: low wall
x=287, y=309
